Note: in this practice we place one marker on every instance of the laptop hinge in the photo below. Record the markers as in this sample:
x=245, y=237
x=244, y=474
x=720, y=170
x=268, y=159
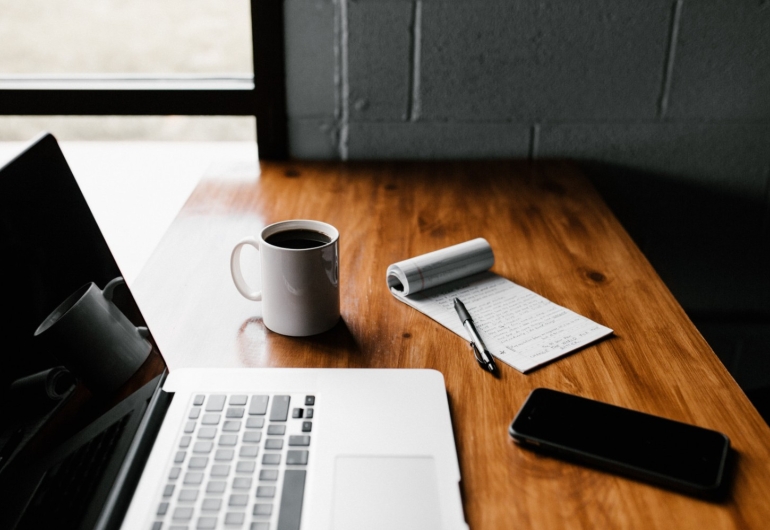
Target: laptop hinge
x=128, y=476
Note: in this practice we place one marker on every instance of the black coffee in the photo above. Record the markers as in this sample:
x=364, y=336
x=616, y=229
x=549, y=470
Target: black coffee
x=298, y=239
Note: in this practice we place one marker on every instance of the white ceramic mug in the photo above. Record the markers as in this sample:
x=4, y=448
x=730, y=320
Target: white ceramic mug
x=300, y=289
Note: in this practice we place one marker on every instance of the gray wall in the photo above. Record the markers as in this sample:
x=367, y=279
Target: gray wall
x=670, y=86
x=669, y=100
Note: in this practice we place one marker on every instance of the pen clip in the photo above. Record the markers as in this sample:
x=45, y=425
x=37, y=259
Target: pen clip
x=477, y=354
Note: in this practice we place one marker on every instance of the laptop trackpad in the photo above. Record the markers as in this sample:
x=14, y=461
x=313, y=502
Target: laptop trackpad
x=385, y=492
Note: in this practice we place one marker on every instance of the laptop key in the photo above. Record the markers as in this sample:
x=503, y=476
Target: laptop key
x=290, y=510
x=280, y=409
x=271, y=459
x=265, y=492
x=262, y=509
x=307, y=426
x=248, y=451
x=174, y=473
x=296, y=458
x=203, y=447
x=182, y=514
x=157, y=525
x=260, y=526
x=268, y=474
x=255, y=423
x=245, y=466
x=274, y=444
x=276, y=429
x=206, y=523
x=252, y=437
x=168, y=491
x=216, y=486
x=228, y=439
x=309, y=413
x=179, y=457
x=258, y=405
x=163, y=508
x=211, y=505
x=198, y=400
x=220, y=470
x=211, y=419
x=198, y=462
x=193, y=478
x=235, y=412
x=296, y=413
x=309, y=401
x=224, y=455
x=231, y=426
x=234, y=518
x=207, y=433
x=216, y=403
x=241, y=483
x=189, y=427
x=239, y=499
x=301, y=440
x=194, y=413
x=184, y=442
x=188, y=495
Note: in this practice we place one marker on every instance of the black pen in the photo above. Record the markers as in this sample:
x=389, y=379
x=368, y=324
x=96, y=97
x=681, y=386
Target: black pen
x=480, y=351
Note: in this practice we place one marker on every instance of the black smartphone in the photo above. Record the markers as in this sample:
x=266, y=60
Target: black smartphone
x=646, y=447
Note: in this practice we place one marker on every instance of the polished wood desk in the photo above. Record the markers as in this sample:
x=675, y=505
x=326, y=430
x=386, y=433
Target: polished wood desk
x=553, y=234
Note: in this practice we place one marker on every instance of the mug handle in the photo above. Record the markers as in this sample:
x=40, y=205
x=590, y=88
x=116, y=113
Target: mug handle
x=235, y=269
x=109, y=289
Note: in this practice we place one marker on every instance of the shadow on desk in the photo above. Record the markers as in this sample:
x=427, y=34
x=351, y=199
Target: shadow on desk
x=338, y=343
x=722, y=495
x=712, y=249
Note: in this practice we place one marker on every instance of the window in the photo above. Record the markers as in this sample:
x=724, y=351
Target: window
x=145, y=58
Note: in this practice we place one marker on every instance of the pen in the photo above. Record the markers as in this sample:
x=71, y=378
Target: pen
x=480, y=351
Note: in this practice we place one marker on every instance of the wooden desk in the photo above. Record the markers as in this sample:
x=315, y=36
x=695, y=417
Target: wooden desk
x=551, y=233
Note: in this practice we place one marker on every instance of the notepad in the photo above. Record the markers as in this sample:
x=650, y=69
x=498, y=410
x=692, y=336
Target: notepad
x=520, y=327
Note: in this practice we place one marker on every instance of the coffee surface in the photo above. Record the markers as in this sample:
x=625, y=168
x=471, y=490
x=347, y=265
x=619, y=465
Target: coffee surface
x=298, y=239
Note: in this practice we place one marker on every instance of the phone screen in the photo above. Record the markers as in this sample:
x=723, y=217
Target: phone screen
x=645, y=446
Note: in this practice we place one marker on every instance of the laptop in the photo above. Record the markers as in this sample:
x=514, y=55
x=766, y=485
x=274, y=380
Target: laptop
x=244, y=448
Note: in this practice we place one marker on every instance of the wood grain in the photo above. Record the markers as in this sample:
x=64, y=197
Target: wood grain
x=551, y=233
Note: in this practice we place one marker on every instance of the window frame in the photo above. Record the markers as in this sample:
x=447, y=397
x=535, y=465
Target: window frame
x=263, y=95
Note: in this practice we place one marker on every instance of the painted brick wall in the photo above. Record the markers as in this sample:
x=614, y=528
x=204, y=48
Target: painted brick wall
x=668, y=100
x=673, y=86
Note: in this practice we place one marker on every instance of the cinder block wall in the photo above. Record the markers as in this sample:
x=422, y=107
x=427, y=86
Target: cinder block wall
x=672, y=86
x=669, y=101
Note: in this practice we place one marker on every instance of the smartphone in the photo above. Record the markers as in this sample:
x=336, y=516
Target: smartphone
x=650, y=448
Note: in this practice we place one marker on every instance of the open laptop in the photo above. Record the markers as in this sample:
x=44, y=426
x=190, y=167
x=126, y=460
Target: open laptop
x=260, y=449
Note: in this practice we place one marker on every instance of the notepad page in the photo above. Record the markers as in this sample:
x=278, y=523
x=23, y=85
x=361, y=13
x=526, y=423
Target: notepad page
x=520, y=327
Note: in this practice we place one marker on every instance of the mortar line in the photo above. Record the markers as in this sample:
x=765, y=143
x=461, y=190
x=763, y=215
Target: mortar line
x=668, y=66
x=344, y=82
x=766, y=220
x=534, y=141
x=413, y=100
x=337, y=63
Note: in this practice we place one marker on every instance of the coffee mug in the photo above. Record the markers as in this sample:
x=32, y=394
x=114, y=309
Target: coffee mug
x=299, y=272
x=94, y=339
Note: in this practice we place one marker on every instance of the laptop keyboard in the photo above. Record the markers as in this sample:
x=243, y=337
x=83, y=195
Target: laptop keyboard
x=62, y=498
x=240, y=462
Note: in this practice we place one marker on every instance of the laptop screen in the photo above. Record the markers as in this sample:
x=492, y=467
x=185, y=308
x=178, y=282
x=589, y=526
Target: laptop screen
x=69, y=318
